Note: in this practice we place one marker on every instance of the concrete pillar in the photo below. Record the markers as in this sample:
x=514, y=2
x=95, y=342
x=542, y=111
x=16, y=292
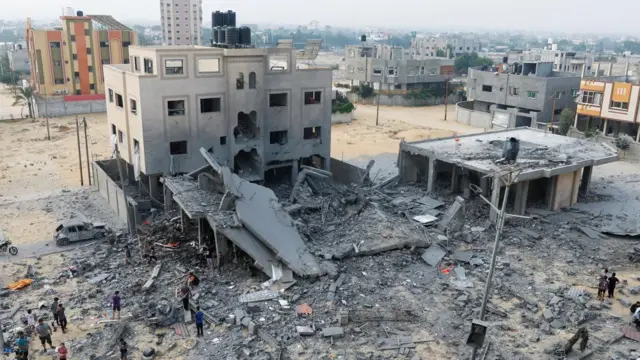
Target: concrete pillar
x=575, y=188
x=597, y=69
x=294, y=171
x=455, y=179
x=550, y=194
x=222, y=247
x=431, y=174
x=464, y=184
x=154, y=193
x=586, y=180
x=610, y=70
x=168, y=199
x=522, y=192
x=184, y=220
x=200, y=231
x=575, y=121
x=484, y=185
x=606, y=123
x=495, y=197
x=408, y=169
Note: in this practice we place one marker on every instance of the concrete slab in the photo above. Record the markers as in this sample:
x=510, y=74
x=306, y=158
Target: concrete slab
x=463, y=256
x=262, y=295
x=264, y=258
x=429, y=202
x=433, y=255
x=333, y=332
x=99, y=278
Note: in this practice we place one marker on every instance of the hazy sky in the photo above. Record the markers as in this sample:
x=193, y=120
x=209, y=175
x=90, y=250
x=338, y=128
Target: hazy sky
x=552, y=15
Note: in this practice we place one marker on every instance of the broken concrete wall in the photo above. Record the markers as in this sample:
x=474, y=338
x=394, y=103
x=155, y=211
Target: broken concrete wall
x=566, y=193
x=109, y=189
x=345, y=173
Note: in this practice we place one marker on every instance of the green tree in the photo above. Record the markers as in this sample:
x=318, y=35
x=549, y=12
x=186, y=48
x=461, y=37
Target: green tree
x=441, y=53
x=26, y=97
x=463, y=62
x=4, y=64
x=565, y=122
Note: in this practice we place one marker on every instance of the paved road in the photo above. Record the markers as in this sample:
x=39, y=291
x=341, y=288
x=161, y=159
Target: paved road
x=42, y=248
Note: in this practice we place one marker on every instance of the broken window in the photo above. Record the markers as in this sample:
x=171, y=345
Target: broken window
x=277, y=100
x=134, y=106
x=175, y=108
x=247, y=127
x=311, y=133
x=278, y=137
x=178, y=147
x=312, y=97
x=119, y=102
x=120, y=137
x=209, y=105
x=136, y=63
x=173, y=67
x=377, y=71
x=113, y=129
x=278, y=62
x=559, y=94
x=223, y=140
x=110, y=95
x=208, y=65
x=487, y=88
x=392, y=72
x=148, y=66
x=252, y=80
x=619, y=105
x=240, y=81
x=514, y=91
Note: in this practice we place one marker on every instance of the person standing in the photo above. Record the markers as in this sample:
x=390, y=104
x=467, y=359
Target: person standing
x=54, y=310
x=124, y=351
x=22, y=346
x=208, y=255
x=62, y=318
x=186, y=292
x=62, y=352
x=44, y=333
x=127, y=254
x=613, y=281
x=115, y=301
x=199, y=322
x=602, y=287
x=192, y=280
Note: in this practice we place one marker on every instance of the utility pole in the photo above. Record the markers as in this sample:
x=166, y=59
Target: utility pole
x=378, y=101
x=86, y=150
x=510, y=180
x=46, y=113
x=446, y=93
x=79, y=154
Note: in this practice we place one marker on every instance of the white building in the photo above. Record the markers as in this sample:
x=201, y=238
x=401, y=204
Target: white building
x=254, y=110
x=181, y=21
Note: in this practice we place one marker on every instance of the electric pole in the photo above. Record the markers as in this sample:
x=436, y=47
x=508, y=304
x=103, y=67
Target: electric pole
x=506, y=177
x=446, y=94
x=378, y=101
x=79, y=153
x=86, y=150
x=46, y=113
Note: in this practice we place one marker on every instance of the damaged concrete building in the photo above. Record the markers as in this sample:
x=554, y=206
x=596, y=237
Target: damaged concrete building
x=552, y=169
x=262, y=112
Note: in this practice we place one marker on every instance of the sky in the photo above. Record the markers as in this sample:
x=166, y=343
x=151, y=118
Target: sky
x=533, y=15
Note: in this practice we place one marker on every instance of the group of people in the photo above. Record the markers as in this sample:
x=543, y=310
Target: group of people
x=607, y=284
x=44, y=331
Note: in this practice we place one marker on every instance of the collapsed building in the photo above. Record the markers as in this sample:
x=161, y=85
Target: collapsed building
x=551, y=169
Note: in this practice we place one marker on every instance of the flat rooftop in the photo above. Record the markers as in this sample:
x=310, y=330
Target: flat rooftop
x=542, y=154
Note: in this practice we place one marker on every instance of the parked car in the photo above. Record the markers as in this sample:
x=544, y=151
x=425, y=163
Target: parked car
x=69, y=232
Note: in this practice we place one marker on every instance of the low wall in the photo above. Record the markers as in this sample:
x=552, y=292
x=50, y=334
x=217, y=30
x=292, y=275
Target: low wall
x=401, y=100
x=466, y=115
x=57, y=106
x=342, y=118
x=108, y=187
x=344, y=172
x=633, y=153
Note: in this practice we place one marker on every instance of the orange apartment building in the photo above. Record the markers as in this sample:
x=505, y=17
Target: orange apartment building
x=67, y=60
x=609, y=106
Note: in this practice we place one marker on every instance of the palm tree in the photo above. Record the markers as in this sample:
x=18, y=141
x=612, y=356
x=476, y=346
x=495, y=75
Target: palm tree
x=26, y=97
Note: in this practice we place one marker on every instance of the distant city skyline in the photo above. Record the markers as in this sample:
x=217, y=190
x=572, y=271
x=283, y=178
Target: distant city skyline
x=543, y=15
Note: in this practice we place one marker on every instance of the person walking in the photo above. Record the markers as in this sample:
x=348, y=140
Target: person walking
x=115, y=301
x=602, y=287
x=62, y=318
x=22, y=346
x=199, y=322
x=62, y=352
x=124, y=351
x=613, y=281
x=127, y=254
x=44, y=333
x=54, y=310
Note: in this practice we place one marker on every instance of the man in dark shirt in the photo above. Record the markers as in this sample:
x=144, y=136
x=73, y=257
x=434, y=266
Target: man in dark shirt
x=123, y=349
x=185, y=291
x=62, y=318
x=613, y=280
x=199, y=322
x=115, y=300
x=54, y=310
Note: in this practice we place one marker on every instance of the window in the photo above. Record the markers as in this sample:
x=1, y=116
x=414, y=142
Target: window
x=105, y=62
x=252, y=80
x=240, y=81
x=113, y=129
x=76, y=74
x=312, y=97
x=58, y=81
x=73, y=38
x=78, y=92
x=148, y=66
x=126, y=43
x=278, y=137
x=487, y=88
x=574, y=93
x=175, y=108
x=209, y=105
x=208, y=65
x=392, y=72
x=173, y=67
x=54, y=45
x=223, y=140
x=619, y=105
x=377, y=71
x=120, y=137
x=514, y=91
x=134, y=106
x=86, y=32
x=559, y=94
x=57, y=63
x=178, y=147
x=433, y=71
x=126, y=61
x=88, y=51
x=277, y=100
x=104, y=44
x=591, y=97
x=92, y=86
x=136, y=145
x=532, y=94
x=421, y=70
x=136, y=63
x=74, y=56
x=119, y=102
x=110, y=95
x=90, y=68
x=312, y=132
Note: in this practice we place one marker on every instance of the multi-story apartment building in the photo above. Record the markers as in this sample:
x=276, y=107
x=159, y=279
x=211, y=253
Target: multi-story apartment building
x=567, y=61
x=254, y=110
x=427, y=47
x=386, y=68
x=181, y=22
x=68, y=60
x=529, y=94
x=609, y=106
x=19, y=59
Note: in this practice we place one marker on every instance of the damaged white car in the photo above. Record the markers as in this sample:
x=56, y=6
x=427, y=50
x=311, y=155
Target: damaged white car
x=69, y=232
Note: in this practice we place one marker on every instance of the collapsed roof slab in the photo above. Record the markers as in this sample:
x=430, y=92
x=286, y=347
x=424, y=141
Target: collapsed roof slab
x=263, y=257
x=541, y=154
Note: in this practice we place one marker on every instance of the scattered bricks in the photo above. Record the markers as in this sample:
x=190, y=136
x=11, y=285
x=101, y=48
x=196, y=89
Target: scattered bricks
x=305, y=331
x=343, y=317
x=333, y=332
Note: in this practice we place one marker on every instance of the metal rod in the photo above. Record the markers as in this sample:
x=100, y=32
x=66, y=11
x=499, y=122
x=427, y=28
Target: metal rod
x=79, y=153
x=86, y=150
